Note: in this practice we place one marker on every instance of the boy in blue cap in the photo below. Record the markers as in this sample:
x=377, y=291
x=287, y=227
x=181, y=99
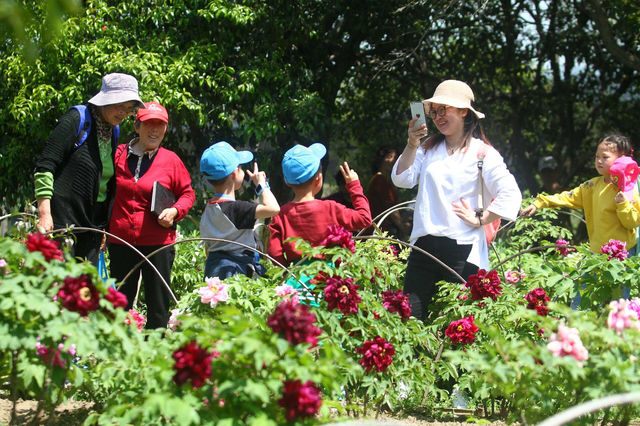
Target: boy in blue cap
x=231, y=219
x=307, y=217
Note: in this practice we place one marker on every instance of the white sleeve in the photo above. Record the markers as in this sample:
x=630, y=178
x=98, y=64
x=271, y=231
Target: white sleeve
x=501, y=185
x=410, y=177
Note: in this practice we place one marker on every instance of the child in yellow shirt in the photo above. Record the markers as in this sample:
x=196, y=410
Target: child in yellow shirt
x=607, y=210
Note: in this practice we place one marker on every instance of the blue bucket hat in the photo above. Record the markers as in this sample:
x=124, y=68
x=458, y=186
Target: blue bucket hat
x=301, y=163
x=221, y=159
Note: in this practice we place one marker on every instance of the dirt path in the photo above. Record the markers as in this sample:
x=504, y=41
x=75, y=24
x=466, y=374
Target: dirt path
x=73, y=413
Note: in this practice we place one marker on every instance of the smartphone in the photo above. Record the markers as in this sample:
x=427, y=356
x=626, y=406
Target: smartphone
x=417, y=110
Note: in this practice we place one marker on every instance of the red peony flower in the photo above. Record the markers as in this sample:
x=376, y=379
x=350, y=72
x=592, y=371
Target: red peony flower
x=295, y=322
x=192, y=363
x=300, y=400
x=376, y=273
x=392, y=249
x=538, y=299
x=79, y=294
x=338, y=236
x=341, y=293
x=397, y=301
x=484, y=284
x=376, y=353
x=48, y=247
x=615, y=249
x=119, y=300
x=462, y=331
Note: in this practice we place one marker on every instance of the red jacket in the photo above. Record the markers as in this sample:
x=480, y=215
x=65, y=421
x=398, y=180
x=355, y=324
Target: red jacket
x=310, y=220
x=131, y=217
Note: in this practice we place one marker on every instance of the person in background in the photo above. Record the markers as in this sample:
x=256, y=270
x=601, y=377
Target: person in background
x=74, y=181
x=230, y=219
x=382, y=194
x=305, y=216
x=138, y=165
x=549, y=173
x=446, y=223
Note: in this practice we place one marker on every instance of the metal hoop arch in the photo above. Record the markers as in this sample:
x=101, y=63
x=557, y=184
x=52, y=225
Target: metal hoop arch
x=591, y=406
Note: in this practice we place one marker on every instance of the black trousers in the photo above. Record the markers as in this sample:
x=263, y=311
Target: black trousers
x=423, y=272
x=86, y=246
x=157, y=297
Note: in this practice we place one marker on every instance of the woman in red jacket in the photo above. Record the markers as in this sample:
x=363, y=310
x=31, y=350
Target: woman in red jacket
x=138, y=165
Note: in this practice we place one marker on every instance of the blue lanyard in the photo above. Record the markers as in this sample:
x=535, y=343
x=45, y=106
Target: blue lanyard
x=225, y=196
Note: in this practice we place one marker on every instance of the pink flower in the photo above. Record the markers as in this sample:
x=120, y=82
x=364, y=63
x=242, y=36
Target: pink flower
x=512, y=277
x=392, y=249
x=119, y=300
x=287, y=291
x=538, y=299
x=300, y=400
x=192, y=363
x=462, y=331
x=566, y=342
x=79, y=294
x=376, y=353
x=622, y=316
x=397, y=301
x=52, y=356
x=634, y=304
x=338, y=236
x=342, y=293
x=615, y=249
x=4, y=266
x=295, y=323
x=484, y=284
x=564, y=250
x=173, y=319
x=139, y=319
x=42, y=243
x=214, y=292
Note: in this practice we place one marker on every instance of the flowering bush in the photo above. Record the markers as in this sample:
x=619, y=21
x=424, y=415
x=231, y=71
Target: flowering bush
x=623, y=314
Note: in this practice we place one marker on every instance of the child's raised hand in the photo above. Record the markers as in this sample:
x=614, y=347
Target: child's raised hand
x=528, y=211
x=257, y=177
x=349, y=174
x=620, y=197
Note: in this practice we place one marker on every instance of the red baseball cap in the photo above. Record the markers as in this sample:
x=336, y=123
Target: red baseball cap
x=152, y=110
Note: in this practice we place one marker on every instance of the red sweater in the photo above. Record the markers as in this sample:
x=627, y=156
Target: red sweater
x=310, y=220
x=131, y=217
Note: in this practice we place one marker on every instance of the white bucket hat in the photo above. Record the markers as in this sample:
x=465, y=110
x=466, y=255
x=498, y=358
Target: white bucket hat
x=454, y=93
x=117, y=88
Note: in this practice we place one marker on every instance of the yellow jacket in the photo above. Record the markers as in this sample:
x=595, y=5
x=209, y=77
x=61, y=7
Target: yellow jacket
x=605, y=218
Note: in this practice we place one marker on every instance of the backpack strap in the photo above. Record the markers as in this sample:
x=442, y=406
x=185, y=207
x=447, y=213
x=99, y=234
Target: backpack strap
x=482, y=152
x=84, y=128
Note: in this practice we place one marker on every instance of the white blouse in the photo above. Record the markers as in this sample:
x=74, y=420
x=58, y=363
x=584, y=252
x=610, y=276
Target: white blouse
x=443, y=179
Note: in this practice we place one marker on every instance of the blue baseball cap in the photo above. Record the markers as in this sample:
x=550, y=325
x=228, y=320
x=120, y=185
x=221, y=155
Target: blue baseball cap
x=221, y=159
x=301, y=163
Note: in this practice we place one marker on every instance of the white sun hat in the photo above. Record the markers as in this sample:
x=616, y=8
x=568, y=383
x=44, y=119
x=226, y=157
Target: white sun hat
x=453, y=93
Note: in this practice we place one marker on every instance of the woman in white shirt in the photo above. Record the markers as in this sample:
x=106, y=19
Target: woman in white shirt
x=445, y=168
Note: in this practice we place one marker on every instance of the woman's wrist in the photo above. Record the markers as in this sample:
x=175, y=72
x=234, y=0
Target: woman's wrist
x=414, y=146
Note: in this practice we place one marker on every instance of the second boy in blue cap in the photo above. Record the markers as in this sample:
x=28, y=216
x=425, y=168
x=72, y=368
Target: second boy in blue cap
x=306, y=217
x=230, y=219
